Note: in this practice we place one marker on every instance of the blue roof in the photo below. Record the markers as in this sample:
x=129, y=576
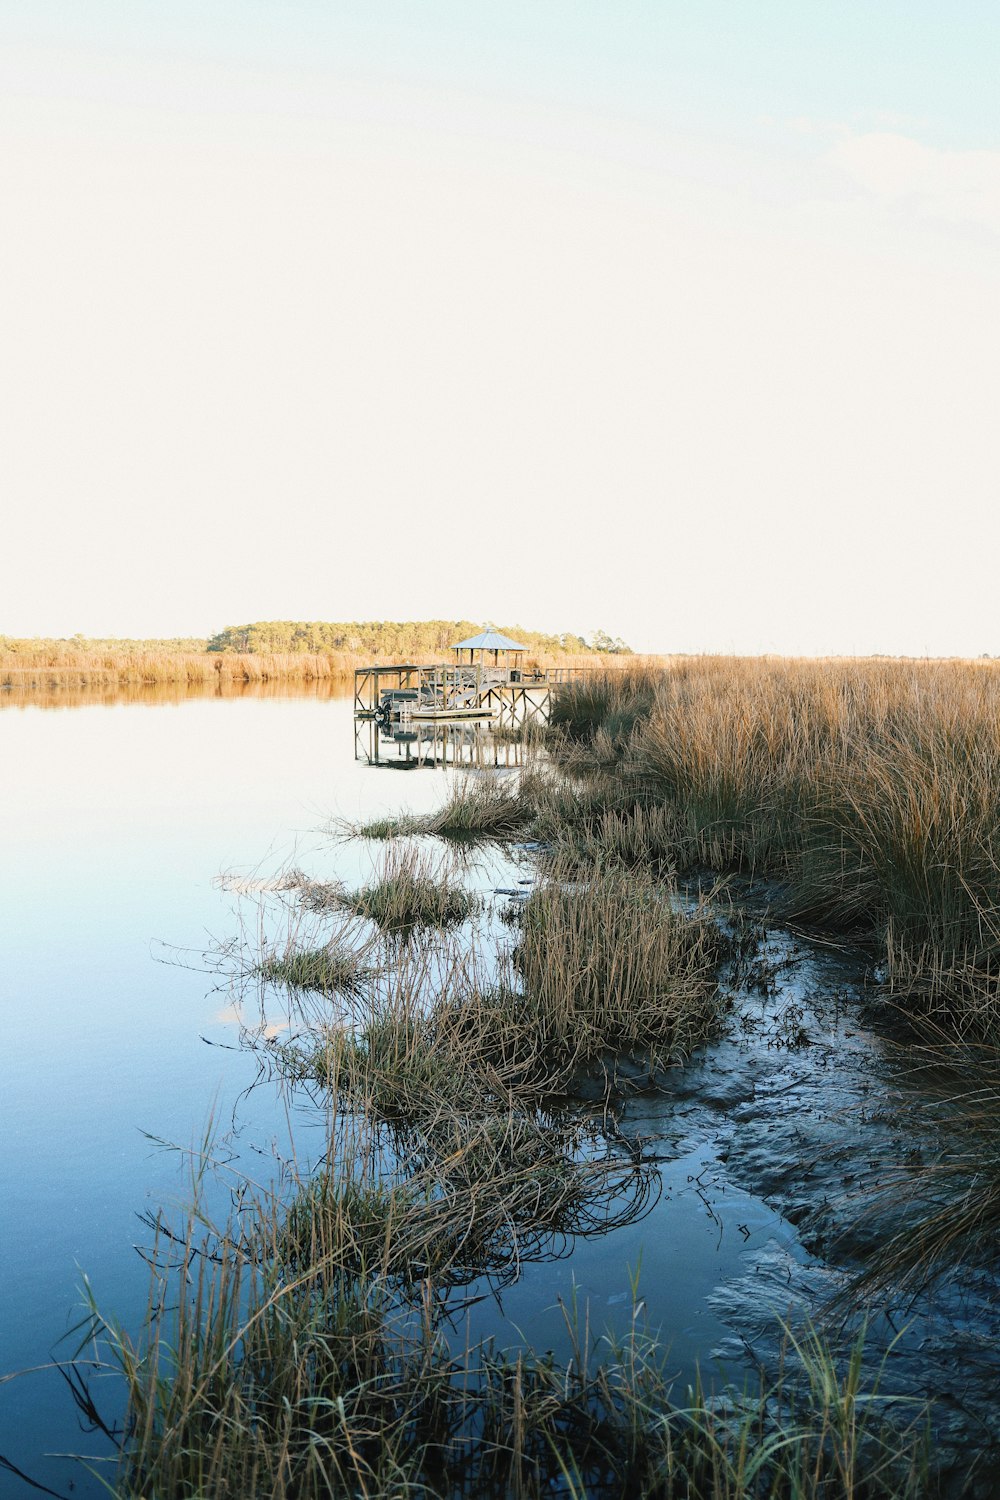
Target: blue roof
x=489, y=640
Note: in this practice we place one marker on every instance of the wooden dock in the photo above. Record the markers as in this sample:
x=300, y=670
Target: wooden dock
x=507, y=696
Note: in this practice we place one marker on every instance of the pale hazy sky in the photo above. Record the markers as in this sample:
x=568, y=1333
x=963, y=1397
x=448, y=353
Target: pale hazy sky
x=677, y=319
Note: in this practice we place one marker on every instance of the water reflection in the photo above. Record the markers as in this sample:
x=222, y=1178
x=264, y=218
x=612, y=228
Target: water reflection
x=410, y=746
x=116, y=833
x=114, y=829
x=159, y=694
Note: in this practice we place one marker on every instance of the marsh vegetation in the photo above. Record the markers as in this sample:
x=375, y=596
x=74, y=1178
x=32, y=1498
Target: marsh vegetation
x=868, y=793
x=472, y=1060
x=315, y=1343
x=870, y=789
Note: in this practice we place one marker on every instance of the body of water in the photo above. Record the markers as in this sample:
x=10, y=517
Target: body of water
x=128, y=829
x=116, y=820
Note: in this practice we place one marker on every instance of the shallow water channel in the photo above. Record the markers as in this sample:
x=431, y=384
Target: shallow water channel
x=141, y=843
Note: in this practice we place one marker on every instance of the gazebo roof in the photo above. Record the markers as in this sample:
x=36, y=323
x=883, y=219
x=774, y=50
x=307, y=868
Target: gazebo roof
x=488, y=640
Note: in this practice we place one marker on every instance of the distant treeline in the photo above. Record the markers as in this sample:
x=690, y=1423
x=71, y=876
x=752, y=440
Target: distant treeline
x=267, y=651
x=390, y=638
x=37, y=645
x=393, y=638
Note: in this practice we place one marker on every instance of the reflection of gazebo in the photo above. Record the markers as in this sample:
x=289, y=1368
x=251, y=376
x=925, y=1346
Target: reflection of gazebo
x=488, y=640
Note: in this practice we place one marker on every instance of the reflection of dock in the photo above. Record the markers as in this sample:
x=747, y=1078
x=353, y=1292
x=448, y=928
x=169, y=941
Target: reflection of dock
x=411, y=745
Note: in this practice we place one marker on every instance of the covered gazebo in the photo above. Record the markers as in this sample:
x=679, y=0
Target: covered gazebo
x=488, y=640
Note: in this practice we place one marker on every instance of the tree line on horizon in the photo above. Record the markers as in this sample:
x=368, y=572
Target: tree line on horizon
x=318, y=637
x=393, y=637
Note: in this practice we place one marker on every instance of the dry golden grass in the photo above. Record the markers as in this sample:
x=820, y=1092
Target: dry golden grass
x=59, y=668
x=53, y=665
x=872, y=788
x=612, y=964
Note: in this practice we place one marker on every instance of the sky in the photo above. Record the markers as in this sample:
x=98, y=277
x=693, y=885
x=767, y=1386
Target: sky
x=680, y=321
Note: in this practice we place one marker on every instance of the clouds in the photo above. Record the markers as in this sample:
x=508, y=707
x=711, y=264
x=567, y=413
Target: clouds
x=961, y=188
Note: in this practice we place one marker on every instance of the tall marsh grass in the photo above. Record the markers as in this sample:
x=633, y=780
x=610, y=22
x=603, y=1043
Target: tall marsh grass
x=871, y=791
x=871, y=788
x=65, y=668
x=39, y=666
x=611, y=963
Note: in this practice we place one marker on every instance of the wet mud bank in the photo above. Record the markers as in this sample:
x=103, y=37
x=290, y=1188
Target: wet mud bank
x=796, y=1130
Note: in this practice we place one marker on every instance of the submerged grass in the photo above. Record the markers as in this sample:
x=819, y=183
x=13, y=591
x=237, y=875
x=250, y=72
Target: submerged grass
x=482, y=807
x=328, y=969
x=383, y=828
x=412, y=891
x=287, y=1368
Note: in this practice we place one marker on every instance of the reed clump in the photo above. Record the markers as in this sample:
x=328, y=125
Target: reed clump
x=642, y=837
x=412, y=891
x=613, y=962
x=612, y=703
x=383, y=828
x=392, y=1064
x=571, y=800
x=329, y=969
x=481, y=807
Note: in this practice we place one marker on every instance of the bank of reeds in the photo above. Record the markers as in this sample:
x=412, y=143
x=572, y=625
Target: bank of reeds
x=872, y=789
x=58, y=665
x=41, y=671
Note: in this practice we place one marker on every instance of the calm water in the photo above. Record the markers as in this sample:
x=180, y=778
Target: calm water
x=116, y=820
